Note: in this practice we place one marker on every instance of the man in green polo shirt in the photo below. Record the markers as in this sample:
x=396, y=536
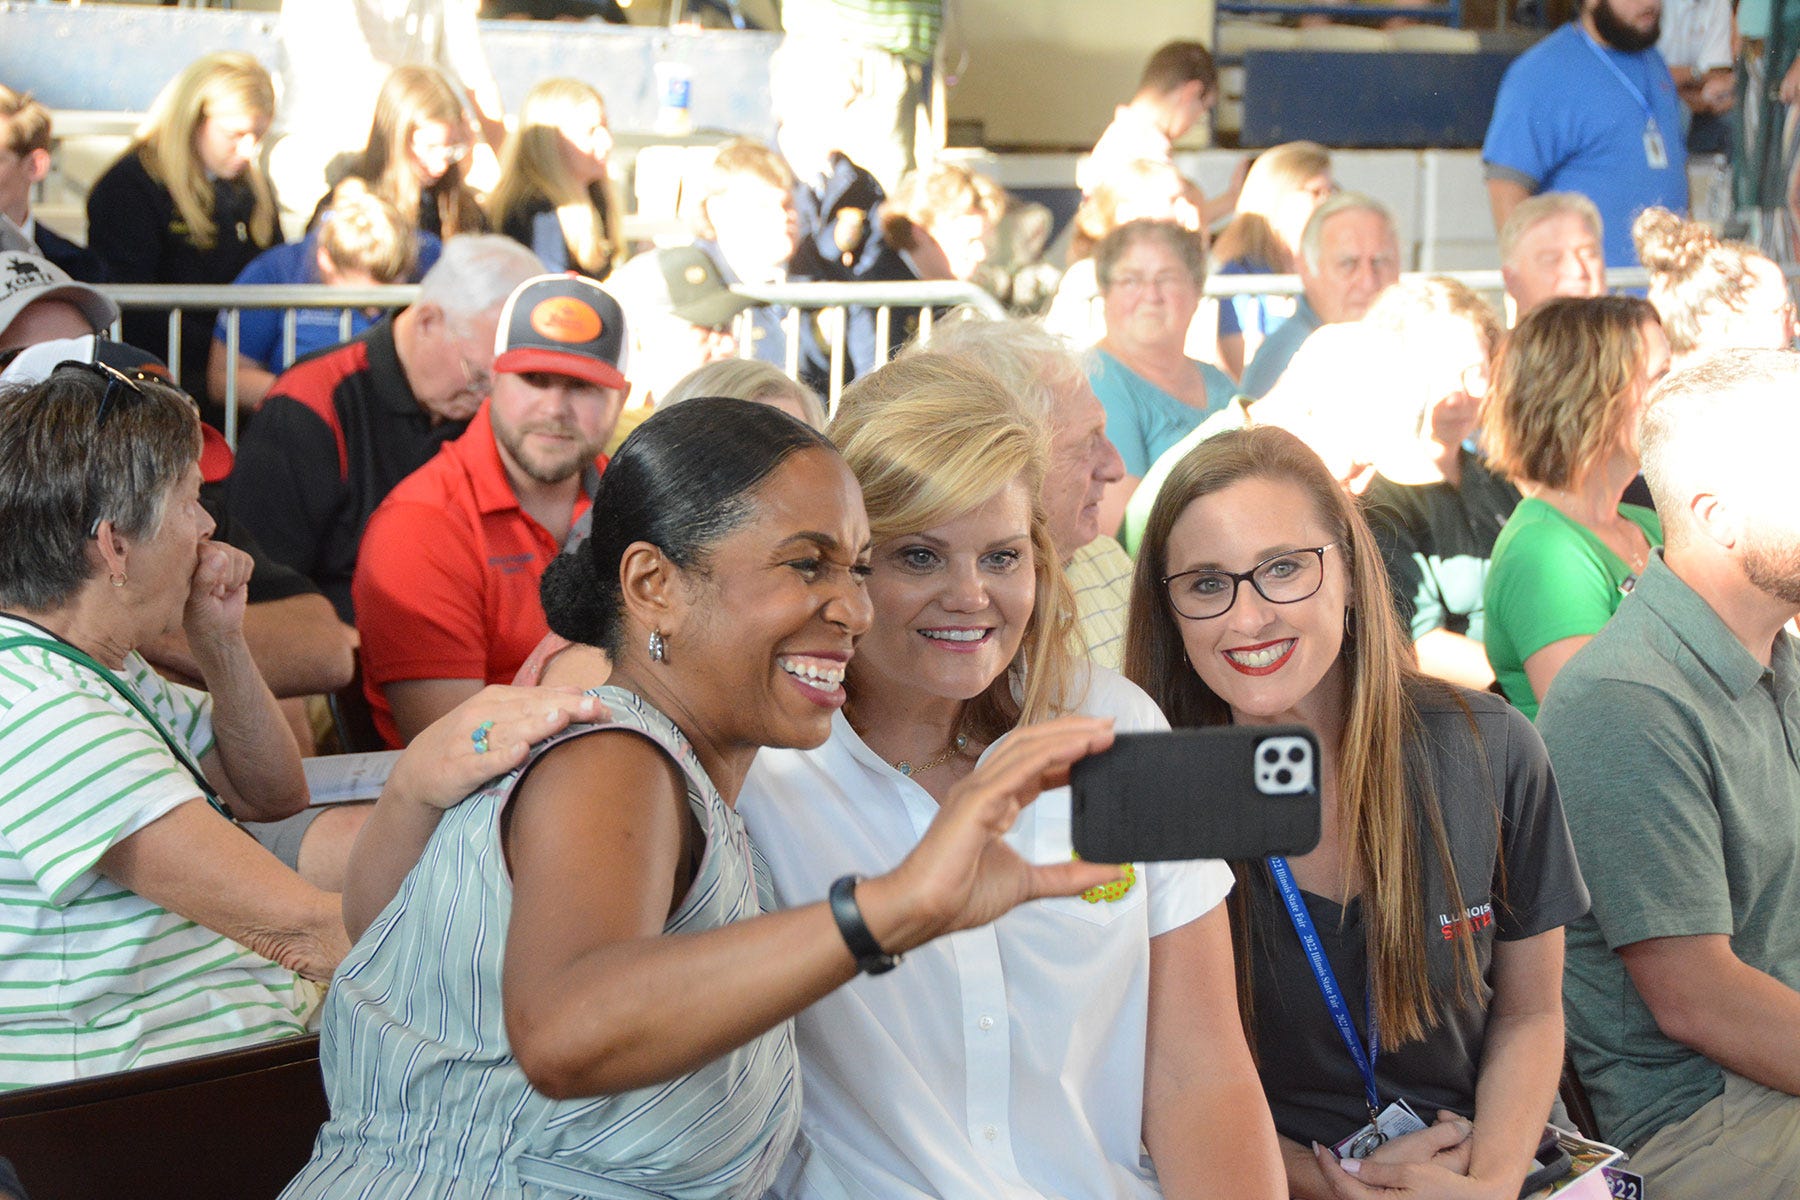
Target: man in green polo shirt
x=1675, y=734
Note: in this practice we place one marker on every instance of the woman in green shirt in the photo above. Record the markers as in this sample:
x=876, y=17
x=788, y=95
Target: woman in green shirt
x=1561, y=419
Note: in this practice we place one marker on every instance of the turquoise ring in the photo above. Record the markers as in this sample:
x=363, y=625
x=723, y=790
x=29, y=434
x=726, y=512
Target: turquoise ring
x=479, y=737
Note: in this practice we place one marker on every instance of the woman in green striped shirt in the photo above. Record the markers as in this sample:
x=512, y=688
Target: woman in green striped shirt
x=137, y=925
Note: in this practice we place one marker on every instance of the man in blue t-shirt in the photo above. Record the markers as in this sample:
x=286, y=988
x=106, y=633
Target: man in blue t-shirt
x=1591, y=109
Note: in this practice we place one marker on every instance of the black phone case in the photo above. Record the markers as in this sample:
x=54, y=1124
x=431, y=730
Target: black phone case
x=1190, y=793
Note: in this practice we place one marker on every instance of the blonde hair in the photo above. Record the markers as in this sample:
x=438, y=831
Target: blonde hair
x=1275, y=174
x=737, y=158
x=409, y=97
x=927, y=195
x=165, y=141
x=532, y=167
x=363, y=232
x=1693, y=274
x=1562, y=388
x=746, y=379
x=27, y=122
x=1384, y=786
x=931, y=437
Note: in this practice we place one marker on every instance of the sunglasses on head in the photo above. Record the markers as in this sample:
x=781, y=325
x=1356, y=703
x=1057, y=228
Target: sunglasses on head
x=121, y=389
x=119, y=385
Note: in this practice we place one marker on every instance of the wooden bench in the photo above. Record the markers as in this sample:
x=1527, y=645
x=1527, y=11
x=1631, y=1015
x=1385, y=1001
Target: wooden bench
x=238, y=1124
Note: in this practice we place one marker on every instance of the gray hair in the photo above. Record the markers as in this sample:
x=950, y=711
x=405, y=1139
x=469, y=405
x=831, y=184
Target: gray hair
x=1312, y=240
x=1033, y=363
x=61, y=472
x=1179, y=240
x=475, y=274
x=1691, y=438
x=746, y=379
x=1535, y=209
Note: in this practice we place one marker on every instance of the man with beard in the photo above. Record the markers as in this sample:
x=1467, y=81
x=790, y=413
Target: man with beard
x=1591, y=109
x=446, y=585
x=1675, y=734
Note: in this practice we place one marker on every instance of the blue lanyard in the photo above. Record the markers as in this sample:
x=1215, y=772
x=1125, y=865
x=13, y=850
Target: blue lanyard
x=1328, y=984
x=1637, y=93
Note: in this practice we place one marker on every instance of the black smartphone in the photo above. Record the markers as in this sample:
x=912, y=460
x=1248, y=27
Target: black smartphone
x=1225, y=791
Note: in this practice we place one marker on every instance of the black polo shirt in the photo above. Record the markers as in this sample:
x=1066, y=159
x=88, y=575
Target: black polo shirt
x=338, y=430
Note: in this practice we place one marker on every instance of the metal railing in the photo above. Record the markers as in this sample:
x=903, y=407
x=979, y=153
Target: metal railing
x=924, y=297
x=231, y=300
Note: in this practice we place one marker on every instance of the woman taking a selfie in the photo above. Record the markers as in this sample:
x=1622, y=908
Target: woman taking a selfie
x=1435, y=899
x=523, y=1017
x=1088, y=1026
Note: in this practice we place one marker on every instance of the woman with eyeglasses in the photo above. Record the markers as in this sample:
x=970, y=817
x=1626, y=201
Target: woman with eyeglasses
x=137, y=924
x=1150, y=273
x=417, y=154
x=1561, y=420
x=1434, y=505
x=1406, y=972
x=555, y=194
x=188, y=202
x=1039, y=1056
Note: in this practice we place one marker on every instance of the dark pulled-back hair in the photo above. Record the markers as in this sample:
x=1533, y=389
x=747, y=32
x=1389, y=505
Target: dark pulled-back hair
x=62, y=470
x=684, y=479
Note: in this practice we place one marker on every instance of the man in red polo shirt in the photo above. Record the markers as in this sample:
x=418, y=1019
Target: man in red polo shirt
x=446, y=586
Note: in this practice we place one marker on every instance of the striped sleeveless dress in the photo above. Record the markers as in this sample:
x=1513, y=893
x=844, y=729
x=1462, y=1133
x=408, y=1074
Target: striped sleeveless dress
x=427, y=1100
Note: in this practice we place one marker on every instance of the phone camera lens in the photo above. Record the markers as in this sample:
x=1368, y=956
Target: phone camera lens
x=1271, y=756
x=1284, y=777
x=1296, y=755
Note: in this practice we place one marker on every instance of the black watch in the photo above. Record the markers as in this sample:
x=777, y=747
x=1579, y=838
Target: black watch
x=870, y=958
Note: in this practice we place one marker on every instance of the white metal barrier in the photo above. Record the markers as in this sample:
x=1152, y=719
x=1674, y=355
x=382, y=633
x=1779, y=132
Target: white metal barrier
x=232, y=299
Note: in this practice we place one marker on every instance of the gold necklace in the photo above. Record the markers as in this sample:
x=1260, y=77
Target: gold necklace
x=950, y=752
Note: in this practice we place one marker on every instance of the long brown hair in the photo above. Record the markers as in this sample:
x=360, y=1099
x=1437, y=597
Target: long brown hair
x=1384, y=786
x=1276, y=172
x=532, y=167
x=410, y=96
x=930, y=437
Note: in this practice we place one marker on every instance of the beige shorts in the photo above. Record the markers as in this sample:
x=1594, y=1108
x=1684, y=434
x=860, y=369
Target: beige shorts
x=1744, y=1144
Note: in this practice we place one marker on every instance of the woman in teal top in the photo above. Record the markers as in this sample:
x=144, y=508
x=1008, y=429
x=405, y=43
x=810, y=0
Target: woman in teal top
x=577, y=991
x=1150, y=275
x=1561, y=419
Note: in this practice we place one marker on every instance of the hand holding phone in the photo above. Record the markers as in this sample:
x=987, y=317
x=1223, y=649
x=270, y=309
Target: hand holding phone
x=1226, y=791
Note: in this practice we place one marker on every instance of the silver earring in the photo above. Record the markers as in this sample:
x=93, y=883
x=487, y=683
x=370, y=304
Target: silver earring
x=117, y=579
x=658, y=651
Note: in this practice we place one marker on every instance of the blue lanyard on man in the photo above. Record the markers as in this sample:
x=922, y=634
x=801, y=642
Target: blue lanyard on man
x=1328, y=986
x=1655, y=153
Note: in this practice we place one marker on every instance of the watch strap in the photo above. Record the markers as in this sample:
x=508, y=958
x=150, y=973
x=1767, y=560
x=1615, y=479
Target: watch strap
x=870, y=958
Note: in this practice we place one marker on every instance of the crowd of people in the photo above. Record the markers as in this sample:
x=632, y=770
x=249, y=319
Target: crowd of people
x=729, y=849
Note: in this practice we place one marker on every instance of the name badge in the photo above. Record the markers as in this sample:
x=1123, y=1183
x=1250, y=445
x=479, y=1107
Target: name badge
x=1624, y=1185
x=1655, y=153
x=1396, y=1119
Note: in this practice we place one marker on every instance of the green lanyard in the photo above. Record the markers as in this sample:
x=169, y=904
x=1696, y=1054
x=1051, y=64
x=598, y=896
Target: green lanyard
x=74, y=655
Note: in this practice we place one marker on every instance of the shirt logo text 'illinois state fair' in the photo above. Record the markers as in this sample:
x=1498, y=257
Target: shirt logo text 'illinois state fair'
x=1479, y=916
